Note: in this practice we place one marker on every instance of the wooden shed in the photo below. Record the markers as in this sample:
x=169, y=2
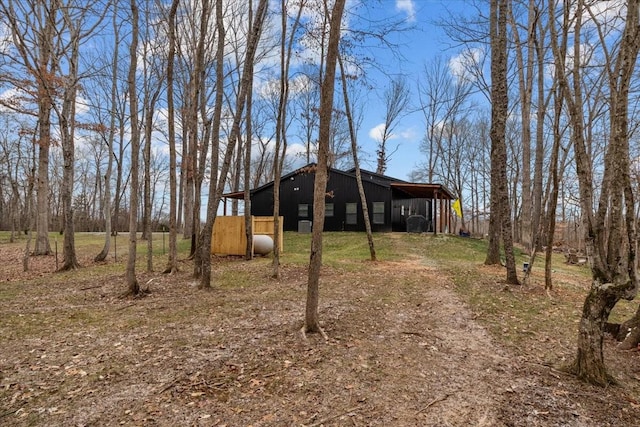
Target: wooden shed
x=229, y=236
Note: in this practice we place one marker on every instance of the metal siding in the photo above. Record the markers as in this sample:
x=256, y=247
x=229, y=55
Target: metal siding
x=341, y=189
x=296, y=190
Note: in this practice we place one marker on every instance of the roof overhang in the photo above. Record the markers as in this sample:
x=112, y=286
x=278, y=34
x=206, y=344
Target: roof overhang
x=423, y=191
x=239, y=195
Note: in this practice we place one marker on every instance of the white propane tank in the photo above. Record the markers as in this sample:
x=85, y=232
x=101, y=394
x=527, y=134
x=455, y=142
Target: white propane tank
x=262, y=244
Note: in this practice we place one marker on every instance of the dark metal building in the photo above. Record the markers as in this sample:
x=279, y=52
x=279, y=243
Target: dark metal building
x=394, y=205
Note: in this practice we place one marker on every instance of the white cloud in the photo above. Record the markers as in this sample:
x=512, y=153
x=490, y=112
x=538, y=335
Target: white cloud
x=376, y=132
x=317, y=30
x=408, y=134
x=461, y=65
x=270, y=88
x=296, y=151
x=408, y=7
x=82, y=105
x=587, y=57
x=610, y=13
x=11, y=96
x=5, y=38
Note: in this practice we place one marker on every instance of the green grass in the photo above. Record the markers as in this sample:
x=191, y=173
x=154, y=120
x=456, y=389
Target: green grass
x=513, y=314
x=94, y=241
x=340, y=249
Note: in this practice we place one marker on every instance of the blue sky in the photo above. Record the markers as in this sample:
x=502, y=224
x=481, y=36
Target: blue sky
x=417, y=46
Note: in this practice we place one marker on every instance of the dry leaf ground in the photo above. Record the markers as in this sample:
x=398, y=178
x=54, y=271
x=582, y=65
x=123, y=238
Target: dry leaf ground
x=408, y=346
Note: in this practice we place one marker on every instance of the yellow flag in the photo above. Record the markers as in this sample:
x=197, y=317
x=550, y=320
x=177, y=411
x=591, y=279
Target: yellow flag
x=457, y=208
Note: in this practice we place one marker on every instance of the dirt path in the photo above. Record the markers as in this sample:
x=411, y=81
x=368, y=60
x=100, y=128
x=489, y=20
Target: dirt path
x=462, y=377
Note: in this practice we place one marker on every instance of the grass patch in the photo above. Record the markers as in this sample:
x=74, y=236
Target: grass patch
x=340, y=249
x=517, y=316
x=395, y=327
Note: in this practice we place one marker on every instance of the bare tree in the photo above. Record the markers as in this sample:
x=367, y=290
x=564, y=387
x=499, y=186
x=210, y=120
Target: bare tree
x=248, y=223
x=396, y=99
x=307, y=106
x=151, y=76
x=311, y=323
x=500, y=220
x=110, y=138
x=67, y=135
x=356, y=162
x=286, y=49
x=172, y=260
x=133, y=288
x=202, y=260
x=255, y=33
x=442, y=102
x=80, y=22
x=610, y=228
x=554, y=178
x=35, y=41
x=525, y=70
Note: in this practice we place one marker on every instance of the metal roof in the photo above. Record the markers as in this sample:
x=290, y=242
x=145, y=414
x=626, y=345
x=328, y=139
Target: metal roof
x=424, y=191
x=412, y=190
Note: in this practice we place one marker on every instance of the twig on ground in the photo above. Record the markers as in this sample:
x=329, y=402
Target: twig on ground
x=171, y=384
x=433, y=402
x=324, y=335
x=332, y=417
x=91, y=287
x=430, y=334
x=11, y=412
x=420, y=334
x=126, y=306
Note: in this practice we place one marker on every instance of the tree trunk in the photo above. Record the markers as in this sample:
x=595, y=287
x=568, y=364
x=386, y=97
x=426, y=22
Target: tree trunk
x=311, y=323
x=172, y=260
x=500, y=223
x=286, y=48
x=42, y=246
x=215, y=197
x=555, y=187
x=200, y=146
x=67, y=134
x=111, y=138
x=280, y=141
x=248, y=223
x=525, y=86
x=589, y=362
x=68, y=150
x=610, y=231
x=202, y=255
x=151, y=96
x=133, y=288
x=356, y=161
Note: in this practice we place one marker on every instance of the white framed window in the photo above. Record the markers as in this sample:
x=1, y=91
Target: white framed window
x=378, y=212
x=328, y=209
x=351, y=217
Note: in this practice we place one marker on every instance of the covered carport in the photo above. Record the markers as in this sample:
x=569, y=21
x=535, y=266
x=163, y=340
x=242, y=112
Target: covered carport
x=438, y=207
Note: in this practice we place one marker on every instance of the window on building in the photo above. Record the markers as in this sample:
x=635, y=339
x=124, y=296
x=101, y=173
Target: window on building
x=303, y=210
x=328, y=209
x=352, y=213
x=378, y=212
